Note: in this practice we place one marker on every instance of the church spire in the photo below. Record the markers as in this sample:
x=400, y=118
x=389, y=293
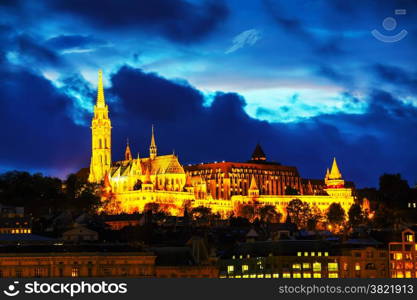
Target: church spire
x=100, y=136
x=128, y=153
x=335, y=172
x=152, y=148
x=100, y=90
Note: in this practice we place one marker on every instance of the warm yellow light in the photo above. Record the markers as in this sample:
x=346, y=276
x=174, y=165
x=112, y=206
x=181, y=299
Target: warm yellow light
x=296, y=275
x=317, y=275
x=316, y=266
x=357, y=267
x=245, y=268
x=332, y=266
x=333, y=275
x=398, y=256
x=230, y=269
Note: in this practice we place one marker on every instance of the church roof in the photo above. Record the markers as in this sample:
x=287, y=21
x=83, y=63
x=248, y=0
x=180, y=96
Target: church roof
x=164, y=164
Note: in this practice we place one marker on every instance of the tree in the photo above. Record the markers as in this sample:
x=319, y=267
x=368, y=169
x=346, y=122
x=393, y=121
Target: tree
x=110, y=205
x=269, y=214
x=152, y=206
x=299, y=212
x=356, y=216
x=246, y=211
x=81, y=195
x=36, y=193
x=201, y=212
x=335, y=214
x=315, y=218
x=394, y=190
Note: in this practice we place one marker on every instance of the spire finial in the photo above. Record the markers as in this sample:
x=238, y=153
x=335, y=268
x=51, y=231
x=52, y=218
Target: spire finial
x=128, y=153
x=335, y=172
x=100, y=90
x=152, y=148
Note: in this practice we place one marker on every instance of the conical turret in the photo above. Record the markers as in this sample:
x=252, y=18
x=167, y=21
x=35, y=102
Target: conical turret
x=334, y=172
x=253, y=189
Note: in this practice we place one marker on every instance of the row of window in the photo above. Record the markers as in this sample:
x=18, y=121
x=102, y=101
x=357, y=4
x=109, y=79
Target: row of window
x=284, y=275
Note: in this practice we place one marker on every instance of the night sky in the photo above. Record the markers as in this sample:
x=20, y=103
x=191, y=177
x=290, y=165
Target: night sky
x=306, y=79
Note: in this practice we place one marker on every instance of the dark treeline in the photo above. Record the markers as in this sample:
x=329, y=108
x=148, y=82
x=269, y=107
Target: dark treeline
x=40, y=194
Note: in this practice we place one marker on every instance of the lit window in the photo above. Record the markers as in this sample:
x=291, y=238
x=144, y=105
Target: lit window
x=245, y=268
x=238, y=276
x=260, y=276
x=313, y=254
x=306, y=265
x=400, y=274
x=317, y=275
x=305, y=253
x=230, y=269
x=75, y=272
x=267, y=275
x=407, y=274
x=306, y=275
x=245, y=276
x=333, y=275
x=409, y=238
x=296, y=275
x=316, y=266
x=286, y=275
x=296, y=266
x=398, y=256
x=326, y=253
x=357, y=267
x=299, y=253
x=275, y=275
x=318, y=253
x=332, y=266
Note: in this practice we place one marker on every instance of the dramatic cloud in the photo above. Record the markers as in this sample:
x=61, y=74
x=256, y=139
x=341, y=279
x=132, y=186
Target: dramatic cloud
x=179, y=21
x=316, y=85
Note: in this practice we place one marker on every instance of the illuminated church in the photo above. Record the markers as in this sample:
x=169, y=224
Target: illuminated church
x=223, y=186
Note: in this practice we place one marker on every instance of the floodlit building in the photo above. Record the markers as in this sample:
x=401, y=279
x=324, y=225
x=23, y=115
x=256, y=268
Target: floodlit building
x=403, y=255
x=135, y=181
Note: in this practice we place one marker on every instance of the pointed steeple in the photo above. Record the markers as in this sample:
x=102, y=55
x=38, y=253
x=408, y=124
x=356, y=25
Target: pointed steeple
x=128, y=153
x=148, y=176
x=334, y=172
x=152, y=148
x=327, y=174
x=253, y=189
x=100, y=90
x=253, y=185
x=258, y=153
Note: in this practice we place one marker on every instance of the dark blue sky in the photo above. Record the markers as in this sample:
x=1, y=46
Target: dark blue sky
x=307, y=79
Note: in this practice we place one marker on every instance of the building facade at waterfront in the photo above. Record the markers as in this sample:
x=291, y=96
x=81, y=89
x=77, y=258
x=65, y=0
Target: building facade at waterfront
x=133, y=182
